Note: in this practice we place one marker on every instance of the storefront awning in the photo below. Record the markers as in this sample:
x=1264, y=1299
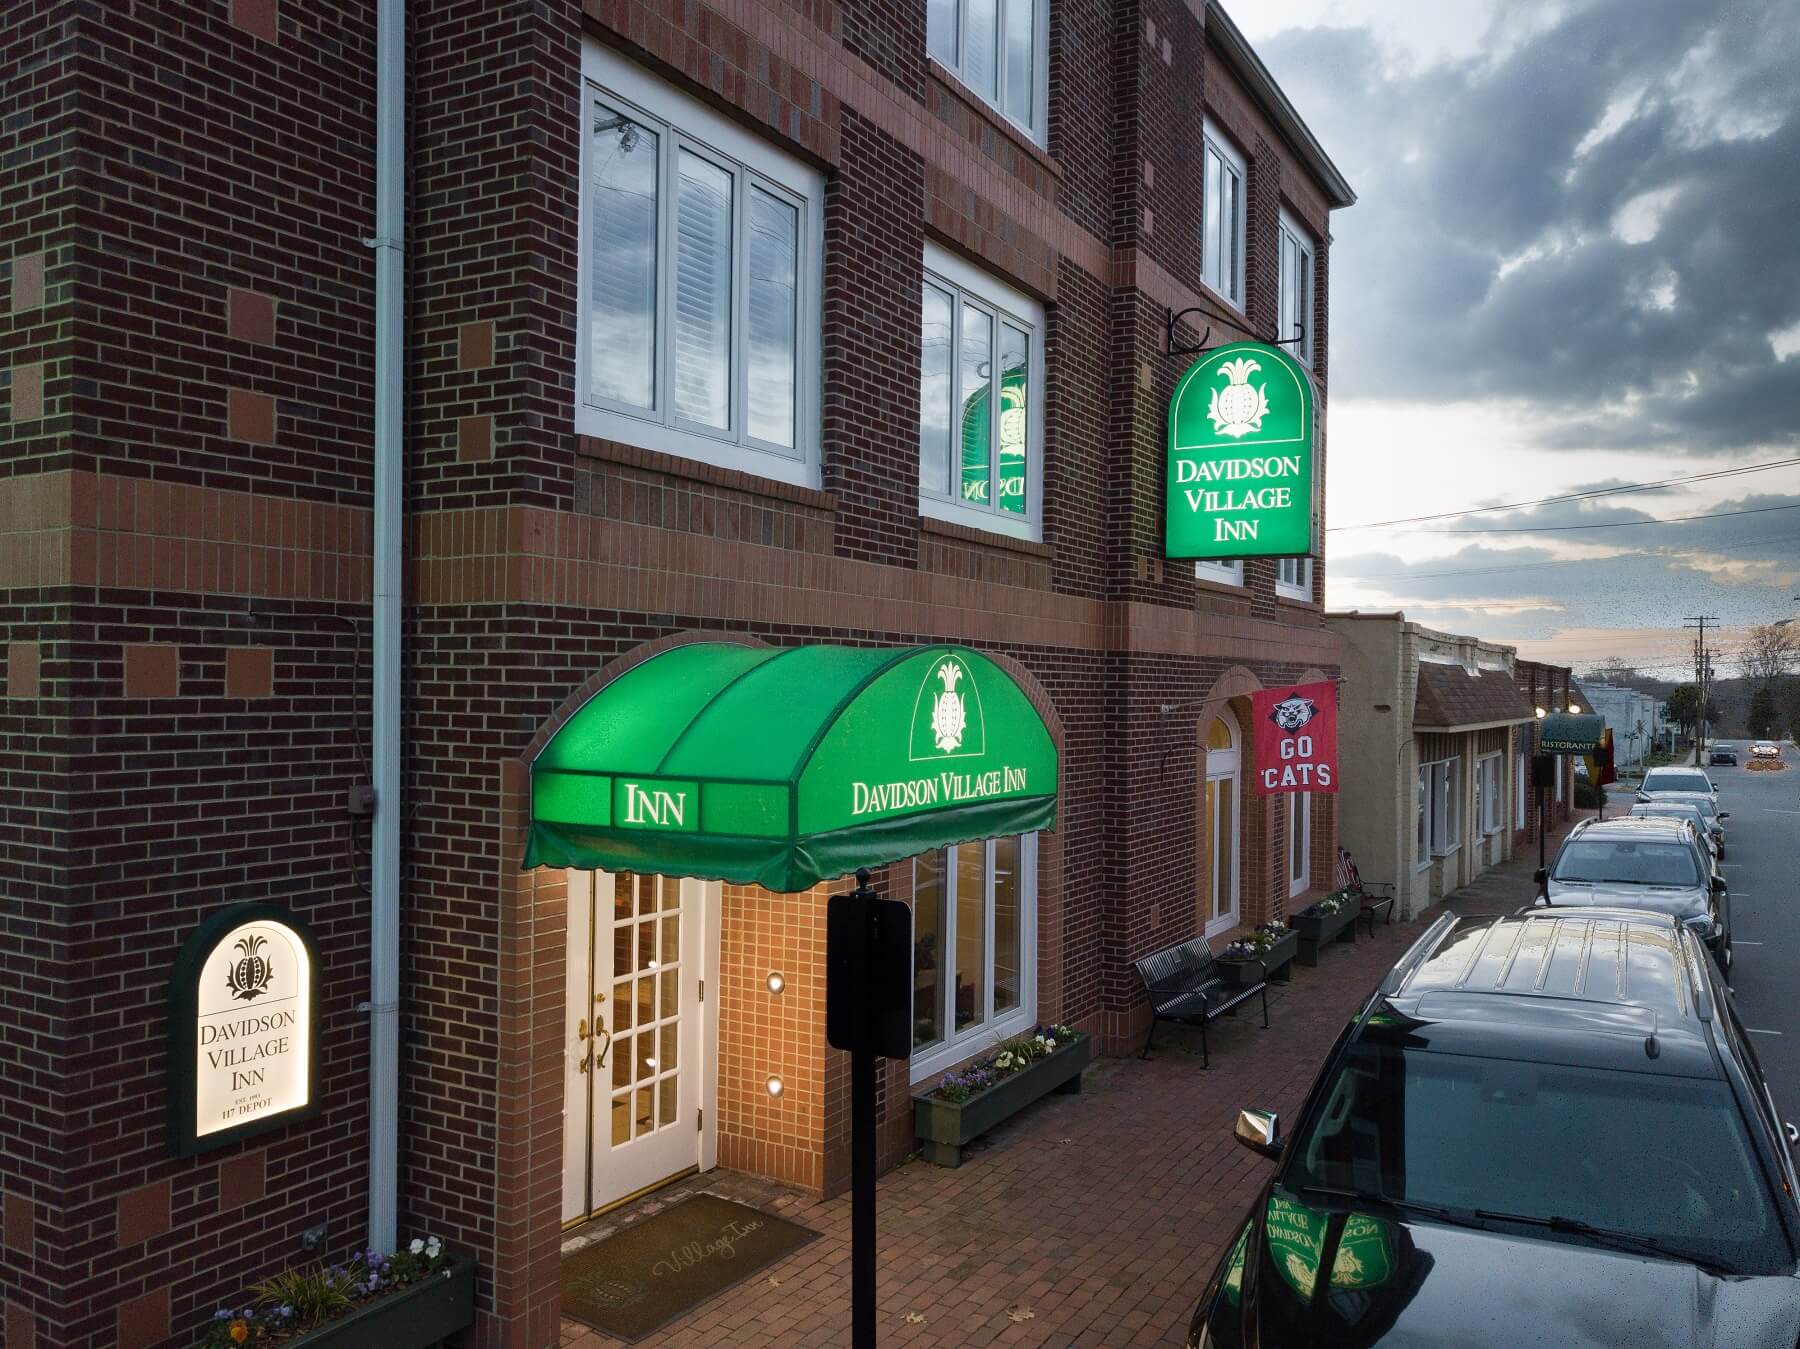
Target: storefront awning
x=1567, y=733
x=782, y=767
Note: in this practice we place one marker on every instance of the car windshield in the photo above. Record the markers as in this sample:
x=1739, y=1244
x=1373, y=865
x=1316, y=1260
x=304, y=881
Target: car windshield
x=1627, y=861
x=1689, y=813
x=1666, y=1160
x=1677, y=782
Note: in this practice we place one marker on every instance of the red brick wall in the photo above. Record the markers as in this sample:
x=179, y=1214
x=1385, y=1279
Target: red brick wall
x=196, y=594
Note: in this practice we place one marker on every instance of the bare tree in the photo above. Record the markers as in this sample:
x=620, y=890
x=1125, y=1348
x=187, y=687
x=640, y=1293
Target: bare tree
x=1614, y=670
x=1769, y=652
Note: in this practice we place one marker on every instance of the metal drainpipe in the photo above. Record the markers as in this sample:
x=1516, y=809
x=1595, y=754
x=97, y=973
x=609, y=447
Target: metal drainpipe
x=384, y=888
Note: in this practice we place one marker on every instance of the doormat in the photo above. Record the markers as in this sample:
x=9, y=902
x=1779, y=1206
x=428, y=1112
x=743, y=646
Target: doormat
x=638, y=1280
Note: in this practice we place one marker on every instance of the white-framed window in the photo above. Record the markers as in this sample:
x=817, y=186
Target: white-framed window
x=1000, y=49
x=1222, y=218
x=1296, y=316
x=981, y=348
x=1293, y=577
x=974, y=948
x=1422, y=842
x=1490, y=793
x=1520, y=774
x=1440, y=809
x=1299, y=824
x=700, y=281
x=1225, y=573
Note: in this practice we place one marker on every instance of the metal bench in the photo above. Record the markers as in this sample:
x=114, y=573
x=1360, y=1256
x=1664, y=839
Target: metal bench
x=1184, y=985
x=1377, y=896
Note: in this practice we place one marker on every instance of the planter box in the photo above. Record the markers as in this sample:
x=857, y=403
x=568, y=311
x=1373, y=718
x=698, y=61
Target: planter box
x=943, y=1127
x=1279, y=959
x=1314, y=930
x=416, y=1317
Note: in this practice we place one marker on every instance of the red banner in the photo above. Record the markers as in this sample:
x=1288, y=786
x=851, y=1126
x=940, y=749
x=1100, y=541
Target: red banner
x=1296, y=738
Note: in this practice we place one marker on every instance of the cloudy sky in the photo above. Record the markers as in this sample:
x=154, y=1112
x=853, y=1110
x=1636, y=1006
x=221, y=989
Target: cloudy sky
x=1574, y=264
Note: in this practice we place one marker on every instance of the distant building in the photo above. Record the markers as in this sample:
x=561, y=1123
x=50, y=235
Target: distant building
x=1634, y=717
x=1434, y=739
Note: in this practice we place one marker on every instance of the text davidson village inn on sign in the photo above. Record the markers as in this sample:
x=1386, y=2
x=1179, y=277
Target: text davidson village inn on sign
x=1240, y=472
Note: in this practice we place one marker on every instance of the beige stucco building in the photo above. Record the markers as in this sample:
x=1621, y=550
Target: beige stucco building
x=1433, y=740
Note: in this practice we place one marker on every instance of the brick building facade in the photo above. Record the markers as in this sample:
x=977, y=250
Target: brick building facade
x=185, y=552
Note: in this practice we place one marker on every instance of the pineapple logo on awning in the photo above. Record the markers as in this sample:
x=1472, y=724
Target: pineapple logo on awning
x=947, y=720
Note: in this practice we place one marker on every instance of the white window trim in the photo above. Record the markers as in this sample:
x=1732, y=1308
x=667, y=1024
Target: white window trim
x=1520, y=814
x=1497, y=803
x=1304, y=590
x=1221, y=573
x=1300, y=813
x=685, y=121
x=952, y=1050
x=1039, y=132
x=1453, y=826
x=1303, y=237
x=1222, y=145
x=1424, y=853
x=1023, y=312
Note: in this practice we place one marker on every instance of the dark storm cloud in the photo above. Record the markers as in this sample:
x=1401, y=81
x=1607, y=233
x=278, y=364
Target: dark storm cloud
x=1482, y=261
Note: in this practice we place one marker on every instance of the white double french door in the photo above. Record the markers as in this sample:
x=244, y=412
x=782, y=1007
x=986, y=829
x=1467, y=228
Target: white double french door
x=637, y=1039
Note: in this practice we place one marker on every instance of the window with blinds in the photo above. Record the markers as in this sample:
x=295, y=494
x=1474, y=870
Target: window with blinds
x=699, y=285
x=1295, y=322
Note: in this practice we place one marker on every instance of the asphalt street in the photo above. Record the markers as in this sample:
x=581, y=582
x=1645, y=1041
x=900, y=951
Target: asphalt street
x=1762, y=866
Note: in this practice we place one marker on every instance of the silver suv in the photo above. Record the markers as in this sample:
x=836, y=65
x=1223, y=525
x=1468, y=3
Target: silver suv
x=1673, y=778
x=1642, y=862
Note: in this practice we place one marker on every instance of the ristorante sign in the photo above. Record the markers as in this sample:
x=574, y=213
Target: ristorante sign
x=1296, y=738
x=1240, y=470
x=242, y=1028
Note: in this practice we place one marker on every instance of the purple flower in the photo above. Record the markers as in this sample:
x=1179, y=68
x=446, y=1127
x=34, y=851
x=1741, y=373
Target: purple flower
x=223, y=1314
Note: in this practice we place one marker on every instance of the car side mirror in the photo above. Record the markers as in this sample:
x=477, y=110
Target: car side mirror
x=1541, y=875
x=1792, y=1131
x=1724, y=814
x=1718, y=885
x=1260, y=1131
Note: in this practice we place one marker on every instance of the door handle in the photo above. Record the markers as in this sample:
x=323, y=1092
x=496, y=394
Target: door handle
x=605, y=1046
x=581, y=1031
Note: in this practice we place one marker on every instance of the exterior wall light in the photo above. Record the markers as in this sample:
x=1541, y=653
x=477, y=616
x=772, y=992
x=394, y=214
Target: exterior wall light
x=776, y=982
x=775, y=1087
x=1574, y=707
x=1542, y=712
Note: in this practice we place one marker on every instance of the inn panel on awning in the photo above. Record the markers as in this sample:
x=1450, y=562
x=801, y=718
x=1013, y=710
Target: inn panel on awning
x=786, y=766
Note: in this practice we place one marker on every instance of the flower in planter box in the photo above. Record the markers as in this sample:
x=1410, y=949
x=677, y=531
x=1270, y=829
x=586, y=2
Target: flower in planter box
x=1238, y=950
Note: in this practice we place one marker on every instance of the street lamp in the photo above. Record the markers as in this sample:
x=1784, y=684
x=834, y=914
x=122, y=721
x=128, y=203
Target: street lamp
x=1574, y=707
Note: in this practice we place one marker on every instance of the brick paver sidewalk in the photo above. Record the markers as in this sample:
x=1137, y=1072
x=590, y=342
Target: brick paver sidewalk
x=1088, y=1220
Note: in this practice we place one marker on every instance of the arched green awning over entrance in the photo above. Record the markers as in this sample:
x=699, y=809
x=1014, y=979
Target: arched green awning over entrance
x=782, y=767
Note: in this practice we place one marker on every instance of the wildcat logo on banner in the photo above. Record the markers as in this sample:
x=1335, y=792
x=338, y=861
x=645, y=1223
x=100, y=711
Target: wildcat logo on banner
x=1296, y=738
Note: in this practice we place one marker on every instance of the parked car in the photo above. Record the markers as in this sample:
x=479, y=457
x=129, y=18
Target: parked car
x=1706, y=805
x=1724, y=754
x=1675, y=779
x=1655, y=864
x=1706, y=826
x=1765, y=749
x=1547, y=1129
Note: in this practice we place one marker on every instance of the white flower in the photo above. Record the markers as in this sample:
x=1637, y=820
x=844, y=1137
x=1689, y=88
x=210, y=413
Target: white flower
x=1050, y=1044
x=417, y=1246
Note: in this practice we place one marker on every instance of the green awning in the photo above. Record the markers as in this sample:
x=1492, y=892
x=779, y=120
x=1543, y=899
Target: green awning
x=1568, y=733
x=783, y=767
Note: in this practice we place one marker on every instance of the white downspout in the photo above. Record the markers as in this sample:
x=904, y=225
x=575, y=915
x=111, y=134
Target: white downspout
x=384, y=886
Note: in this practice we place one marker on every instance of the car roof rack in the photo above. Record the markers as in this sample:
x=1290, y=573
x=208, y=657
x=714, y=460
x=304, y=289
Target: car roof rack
x=1417, y=952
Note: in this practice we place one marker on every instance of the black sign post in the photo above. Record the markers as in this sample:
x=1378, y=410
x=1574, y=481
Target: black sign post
x=868, y=1012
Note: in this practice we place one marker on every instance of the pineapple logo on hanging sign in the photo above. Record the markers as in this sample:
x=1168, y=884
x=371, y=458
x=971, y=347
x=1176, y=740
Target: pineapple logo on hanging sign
x=1239, y=408
x=250, y=973
x=947, y=720
x=1240, y=477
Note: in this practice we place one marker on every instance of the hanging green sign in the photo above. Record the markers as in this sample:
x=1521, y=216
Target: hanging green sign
x=984, y=460
x=1568, y=733
x=1240, y=470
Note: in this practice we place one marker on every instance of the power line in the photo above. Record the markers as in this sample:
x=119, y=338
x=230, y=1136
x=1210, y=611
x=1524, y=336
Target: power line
x=1613, y=524
x=1572, y=496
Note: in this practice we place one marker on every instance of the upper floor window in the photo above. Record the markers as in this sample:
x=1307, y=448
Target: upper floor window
x=1224, y=573
x=998, y=48
x=699, y=331
x=1293, y=578
x=1296, y=321
x=1222, y=224
x=981, y=381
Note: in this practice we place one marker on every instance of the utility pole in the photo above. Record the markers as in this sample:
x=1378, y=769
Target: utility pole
x=1702, y=676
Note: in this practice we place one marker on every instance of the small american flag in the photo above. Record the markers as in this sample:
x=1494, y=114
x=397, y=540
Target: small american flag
x=1344, y=876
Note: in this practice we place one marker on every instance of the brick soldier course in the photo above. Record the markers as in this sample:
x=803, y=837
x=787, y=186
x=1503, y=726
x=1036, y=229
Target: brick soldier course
x=185, y=559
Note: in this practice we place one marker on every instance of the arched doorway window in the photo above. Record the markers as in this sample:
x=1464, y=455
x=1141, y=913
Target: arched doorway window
x=1219, y=824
